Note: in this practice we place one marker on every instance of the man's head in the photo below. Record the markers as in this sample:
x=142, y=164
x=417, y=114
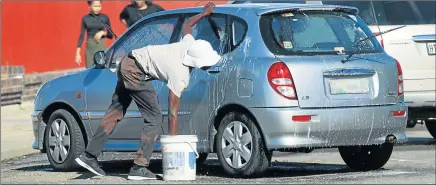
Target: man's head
x=201, y=55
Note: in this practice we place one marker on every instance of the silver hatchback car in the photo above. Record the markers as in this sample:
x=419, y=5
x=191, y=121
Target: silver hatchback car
x=283, y=85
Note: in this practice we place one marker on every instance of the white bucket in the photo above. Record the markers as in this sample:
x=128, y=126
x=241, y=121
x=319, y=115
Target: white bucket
x=179, y=156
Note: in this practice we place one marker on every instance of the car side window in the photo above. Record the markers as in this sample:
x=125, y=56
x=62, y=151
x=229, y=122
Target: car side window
x=156, y=32
x=213, y=31
x=239, y=30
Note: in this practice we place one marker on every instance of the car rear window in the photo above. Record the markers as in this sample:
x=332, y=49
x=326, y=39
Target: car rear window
x=316, y=32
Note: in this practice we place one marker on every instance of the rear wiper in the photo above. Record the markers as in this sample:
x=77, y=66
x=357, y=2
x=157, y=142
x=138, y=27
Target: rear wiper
x=107, y=27
x=367, y=38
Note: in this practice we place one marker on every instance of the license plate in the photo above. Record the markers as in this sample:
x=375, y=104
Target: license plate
x=349, y=86
x=431, y=48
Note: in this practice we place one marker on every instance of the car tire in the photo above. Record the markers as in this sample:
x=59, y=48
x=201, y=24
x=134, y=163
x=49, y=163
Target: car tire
x=259, y=159
x=431, y=127
x=61, y=153
x=365, y=158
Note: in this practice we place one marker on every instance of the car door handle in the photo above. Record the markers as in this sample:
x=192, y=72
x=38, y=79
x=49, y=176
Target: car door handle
x=213, y=70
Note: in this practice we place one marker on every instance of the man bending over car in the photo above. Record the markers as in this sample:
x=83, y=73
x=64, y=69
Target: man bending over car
x=170, y=63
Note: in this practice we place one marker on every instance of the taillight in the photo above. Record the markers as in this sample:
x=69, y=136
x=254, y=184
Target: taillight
x=280, y=79
x=400, y=79
x=400, y=113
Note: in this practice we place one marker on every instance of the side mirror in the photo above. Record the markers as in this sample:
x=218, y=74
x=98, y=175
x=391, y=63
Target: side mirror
x=99, y=59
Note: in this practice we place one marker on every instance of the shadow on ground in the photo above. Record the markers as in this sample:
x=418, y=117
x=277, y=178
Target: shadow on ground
x=120, y=168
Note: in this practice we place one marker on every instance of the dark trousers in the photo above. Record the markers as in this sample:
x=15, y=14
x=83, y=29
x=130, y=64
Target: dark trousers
x=131, y=85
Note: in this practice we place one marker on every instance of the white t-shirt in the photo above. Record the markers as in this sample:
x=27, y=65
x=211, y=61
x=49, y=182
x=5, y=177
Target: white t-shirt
x=164, y=63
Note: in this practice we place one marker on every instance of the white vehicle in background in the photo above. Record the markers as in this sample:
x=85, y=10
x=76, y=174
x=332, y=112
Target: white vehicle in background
x=414, y=46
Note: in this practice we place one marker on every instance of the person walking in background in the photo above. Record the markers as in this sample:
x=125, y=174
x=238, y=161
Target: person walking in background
x=95, y=31
x=138, y=9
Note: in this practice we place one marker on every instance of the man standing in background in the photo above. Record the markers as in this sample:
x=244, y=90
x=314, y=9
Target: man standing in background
x=138, y=9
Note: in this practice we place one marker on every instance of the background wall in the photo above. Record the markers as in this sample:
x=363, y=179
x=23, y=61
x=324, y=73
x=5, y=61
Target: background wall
x=42, y=35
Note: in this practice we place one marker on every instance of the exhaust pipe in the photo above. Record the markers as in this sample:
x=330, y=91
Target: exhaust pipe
x=391, y=139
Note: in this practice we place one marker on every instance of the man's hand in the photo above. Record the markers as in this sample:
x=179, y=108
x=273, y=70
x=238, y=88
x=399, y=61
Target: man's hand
x=187, y=27
x=208, y=8
x=174, y=102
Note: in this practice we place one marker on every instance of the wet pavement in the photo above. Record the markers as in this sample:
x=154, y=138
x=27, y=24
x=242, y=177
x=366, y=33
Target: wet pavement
x=412, y=163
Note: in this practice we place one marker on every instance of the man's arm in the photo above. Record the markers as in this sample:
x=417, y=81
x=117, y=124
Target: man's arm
x=174, y=103
x=187, y=27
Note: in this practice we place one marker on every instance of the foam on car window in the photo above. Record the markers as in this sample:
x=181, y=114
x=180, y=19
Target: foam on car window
x=340, y=50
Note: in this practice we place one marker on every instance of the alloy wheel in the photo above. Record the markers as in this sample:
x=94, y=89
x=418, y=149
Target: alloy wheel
x=237, y=144
x=59, y=140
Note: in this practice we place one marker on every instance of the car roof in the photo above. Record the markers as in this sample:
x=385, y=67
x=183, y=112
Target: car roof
x=257, y=8
x=263, y=8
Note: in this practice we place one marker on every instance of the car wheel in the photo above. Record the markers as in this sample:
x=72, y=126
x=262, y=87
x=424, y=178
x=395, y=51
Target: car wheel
x=365, y=158
x=63, y=140
x=431, y=127
x=240, y=147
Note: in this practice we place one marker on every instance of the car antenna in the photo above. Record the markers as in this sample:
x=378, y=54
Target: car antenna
x=366, y=38
x=107, y=27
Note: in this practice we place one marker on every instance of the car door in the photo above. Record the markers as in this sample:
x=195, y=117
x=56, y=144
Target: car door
x=194, y=110
x=101, y=85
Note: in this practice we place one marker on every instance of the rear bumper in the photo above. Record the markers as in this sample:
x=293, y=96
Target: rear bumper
x=331, y=127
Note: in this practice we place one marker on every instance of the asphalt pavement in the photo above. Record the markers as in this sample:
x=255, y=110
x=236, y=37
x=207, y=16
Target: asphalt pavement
x=412, y=163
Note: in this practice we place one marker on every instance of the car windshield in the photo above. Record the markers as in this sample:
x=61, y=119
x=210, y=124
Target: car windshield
x=317, y=33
